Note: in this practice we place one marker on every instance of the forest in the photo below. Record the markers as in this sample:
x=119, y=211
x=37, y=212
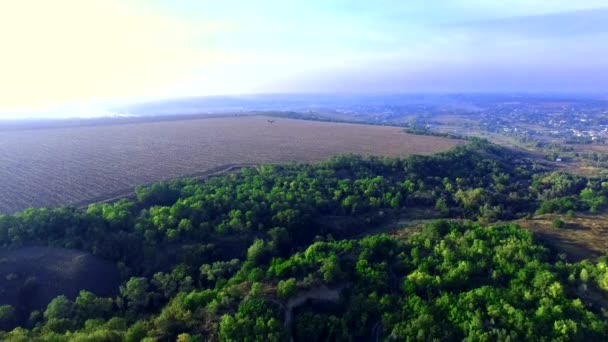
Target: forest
x=293, y=251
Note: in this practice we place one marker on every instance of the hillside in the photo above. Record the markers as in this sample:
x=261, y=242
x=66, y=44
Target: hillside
x=297, y=251
x=33, y=276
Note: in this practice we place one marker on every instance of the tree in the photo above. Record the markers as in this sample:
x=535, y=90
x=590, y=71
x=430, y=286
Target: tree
x=136, y=294
x=7, y=317
x=184, y=226
x=259, y=252
x=255, y=320
x=331, y=269
x=59, y=308
x=280, y=238
x=136, y=333
x=87, y=305
x=211, y=273
x=593, y=200
x=471, y=199
x=287, y=288
x=442, y=206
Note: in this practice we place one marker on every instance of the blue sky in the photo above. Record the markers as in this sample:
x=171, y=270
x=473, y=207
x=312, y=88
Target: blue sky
x=81, y=52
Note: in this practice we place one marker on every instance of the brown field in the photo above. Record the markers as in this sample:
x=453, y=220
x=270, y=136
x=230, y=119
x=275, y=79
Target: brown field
x=584, y=235
x=58, y=166
x=599, y=148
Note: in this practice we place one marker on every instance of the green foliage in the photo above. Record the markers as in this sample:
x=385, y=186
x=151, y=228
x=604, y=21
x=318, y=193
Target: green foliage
x=59, y=308
x=136, y=293
x=7, y=317
x=283, y=201
x=259, y=252
x=190, y=276
x=331, y=269
x=88, y=306
x=210, y=274
x=287, y=288
x=310, y=326
x=558, y=223
x=593, y=200
x=136, y=332
x=255, y=320
x=559, y=205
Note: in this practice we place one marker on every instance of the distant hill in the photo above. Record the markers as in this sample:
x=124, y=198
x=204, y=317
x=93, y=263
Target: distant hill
x=274, y=102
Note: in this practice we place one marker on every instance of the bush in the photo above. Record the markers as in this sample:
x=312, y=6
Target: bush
x=558, y=223
x=259, y=252
x=287, y=288
x=7, y=317
x=331, y=269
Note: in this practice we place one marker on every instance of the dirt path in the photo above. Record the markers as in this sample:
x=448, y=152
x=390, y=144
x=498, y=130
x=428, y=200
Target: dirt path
x=593, y=295
x=321, y=293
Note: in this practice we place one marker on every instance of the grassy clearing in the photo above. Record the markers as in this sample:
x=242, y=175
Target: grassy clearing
x=583, y=236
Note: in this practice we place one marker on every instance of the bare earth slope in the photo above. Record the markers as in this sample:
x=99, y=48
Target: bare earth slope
x=30, y=277
x=58, y=166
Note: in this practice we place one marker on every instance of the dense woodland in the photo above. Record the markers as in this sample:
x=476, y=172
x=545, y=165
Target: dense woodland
x=285, y=251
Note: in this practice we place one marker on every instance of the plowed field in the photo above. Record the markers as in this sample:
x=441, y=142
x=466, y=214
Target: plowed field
x=59, y=166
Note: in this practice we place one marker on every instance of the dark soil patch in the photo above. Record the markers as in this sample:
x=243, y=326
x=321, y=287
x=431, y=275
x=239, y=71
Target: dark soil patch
x=30, y=277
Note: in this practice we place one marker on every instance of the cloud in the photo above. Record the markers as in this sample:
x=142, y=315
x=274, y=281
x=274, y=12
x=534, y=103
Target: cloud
x=554, y=25
x=513, y=8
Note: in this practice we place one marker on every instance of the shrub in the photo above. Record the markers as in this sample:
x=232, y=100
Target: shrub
x=287, y=288
x=558, y=223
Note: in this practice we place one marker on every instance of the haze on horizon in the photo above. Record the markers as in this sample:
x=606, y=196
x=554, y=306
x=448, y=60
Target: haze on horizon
x=107, y=51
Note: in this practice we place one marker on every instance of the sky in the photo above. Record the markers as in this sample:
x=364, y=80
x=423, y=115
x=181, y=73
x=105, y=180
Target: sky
x=81, y=52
